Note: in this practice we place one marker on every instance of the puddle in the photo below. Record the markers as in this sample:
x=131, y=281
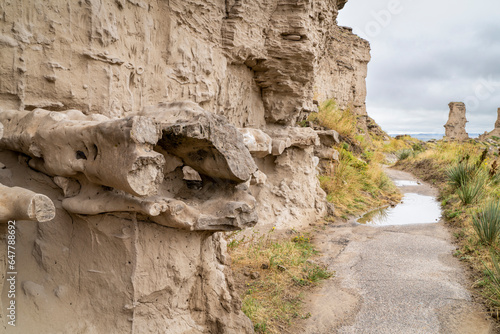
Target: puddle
x=415, y=209
x=405, y=183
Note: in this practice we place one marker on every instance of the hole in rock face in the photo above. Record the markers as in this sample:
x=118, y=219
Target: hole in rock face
x=80, y=155
x=194, y=185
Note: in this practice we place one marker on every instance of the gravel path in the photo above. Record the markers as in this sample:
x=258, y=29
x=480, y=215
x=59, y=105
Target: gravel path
x=393, y=279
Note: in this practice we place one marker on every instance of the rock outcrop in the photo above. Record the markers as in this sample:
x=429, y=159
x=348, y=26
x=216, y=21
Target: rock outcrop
x=22, y=204
x=497, y=123
x=455, y=127
x=151, y=126
x=495, y=132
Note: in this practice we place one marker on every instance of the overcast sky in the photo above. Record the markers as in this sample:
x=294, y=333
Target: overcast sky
x=425, y=54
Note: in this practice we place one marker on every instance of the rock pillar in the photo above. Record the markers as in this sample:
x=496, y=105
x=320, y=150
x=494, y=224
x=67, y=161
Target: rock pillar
x=455, y=127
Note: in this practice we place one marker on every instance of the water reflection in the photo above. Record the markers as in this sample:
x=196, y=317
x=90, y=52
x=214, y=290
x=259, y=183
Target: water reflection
x=414, y=209
x=405, y=183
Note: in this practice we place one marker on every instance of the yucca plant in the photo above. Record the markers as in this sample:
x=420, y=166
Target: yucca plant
x=494, y=280
x=459, y=174
x=473, y=189
x=487, y=222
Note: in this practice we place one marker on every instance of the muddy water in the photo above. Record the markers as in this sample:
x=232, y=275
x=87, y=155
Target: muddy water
x=416, y=207
x=413, y=209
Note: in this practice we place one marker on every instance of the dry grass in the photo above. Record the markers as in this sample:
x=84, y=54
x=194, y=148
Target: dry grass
x=355, y=183
x=395, y=145
x=355, y=186
x=332, y=117
x=273, y=301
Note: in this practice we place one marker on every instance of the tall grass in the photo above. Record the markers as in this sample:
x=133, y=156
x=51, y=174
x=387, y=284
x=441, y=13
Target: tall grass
x=469, y=179
x=274, y=298
x=355, y=186
x=486, y=222
x=332, y=117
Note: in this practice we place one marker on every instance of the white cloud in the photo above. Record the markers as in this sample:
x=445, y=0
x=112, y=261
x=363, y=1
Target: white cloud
x=426, y=54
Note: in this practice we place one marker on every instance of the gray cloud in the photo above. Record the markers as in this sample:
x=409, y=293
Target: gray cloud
x=426, y=54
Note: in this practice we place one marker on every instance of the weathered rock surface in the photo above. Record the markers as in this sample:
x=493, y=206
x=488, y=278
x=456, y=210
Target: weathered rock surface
x=116, y=153
x=344, y=67
x=455, y=127
x=147, y=277
x=216, y=87
x=495, y=132
x=21, y=204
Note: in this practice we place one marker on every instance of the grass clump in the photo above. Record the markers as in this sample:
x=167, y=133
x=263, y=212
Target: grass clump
x=473, y=190
x=487, y=223
x=332, y=117
x=355, y=185
x=469, y=179
x=274, y=299
x=461, y=173
x=404, y=154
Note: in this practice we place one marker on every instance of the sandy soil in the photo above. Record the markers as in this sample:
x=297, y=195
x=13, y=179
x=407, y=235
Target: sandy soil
x=393, y=279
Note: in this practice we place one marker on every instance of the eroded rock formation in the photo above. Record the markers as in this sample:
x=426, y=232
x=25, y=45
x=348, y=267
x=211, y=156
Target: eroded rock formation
x=115, y=165
x=455, y=127
x=497, y=123
x=495, y=132
x=91, y=100
x=22, y=204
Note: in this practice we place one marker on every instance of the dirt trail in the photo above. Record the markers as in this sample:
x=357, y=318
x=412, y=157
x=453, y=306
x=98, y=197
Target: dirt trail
x=393, y=279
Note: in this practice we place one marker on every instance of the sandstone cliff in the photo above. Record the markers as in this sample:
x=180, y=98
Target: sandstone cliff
x=91, y=99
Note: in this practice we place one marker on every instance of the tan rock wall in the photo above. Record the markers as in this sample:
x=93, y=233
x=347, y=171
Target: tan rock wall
x=258, y=63
x=342, y=70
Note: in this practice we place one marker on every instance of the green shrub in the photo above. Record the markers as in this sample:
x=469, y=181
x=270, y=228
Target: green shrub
x=404, y=154
x=459, y=174
x=487, y=222
x=473, y=190
x=493, y=286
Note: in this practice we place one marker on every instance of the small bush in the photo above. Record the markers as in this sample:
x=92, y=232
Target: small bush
x=316, y=273
x=487, y=222
x=404, y=154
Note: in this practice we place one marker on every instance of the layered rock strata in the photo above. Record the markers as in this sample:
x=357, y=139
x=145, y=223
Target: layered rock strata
x=91, y=93
x=455, y=126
